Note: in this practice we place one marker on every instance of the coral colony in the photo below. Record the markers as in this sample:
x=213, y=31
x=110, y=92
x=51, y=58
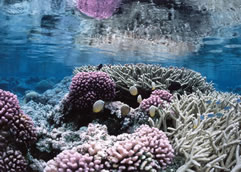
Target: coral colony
x=98, y=9
x=134, y=118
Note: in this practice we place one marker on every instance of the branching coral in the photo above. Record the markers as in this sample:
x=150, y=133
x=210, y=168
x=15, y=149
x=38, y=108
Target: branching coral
x=143, y=75
x=205, y=129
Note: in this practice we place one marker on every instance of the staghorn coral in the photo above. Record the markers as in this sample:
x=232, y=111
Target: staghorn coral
x=147, y=149
x=205, y=129
x=143, y=75
x=88, y=87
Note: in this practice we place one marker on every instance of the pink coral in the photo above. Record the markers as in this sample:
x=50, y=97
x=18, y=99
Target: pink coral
x=98, y=9
x=144, y=150
x=158, y=98
x=163, y=94
x=88, y=87
x=70, y=160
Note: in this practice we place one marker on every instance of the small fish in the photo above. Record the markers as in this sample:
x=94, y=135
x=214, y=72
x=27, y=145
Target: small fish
x=219, y=115
x=209, y=102
x=152, y=111
x=139, y=99
x=195, y=123
x=218, y=102
x=133, y=90
x=202, y=117
x=211, y=115
x=98, y=106
x=227, y=108
x=99, y=66
x=238, y=100
x=153, y=85
x=125, y=109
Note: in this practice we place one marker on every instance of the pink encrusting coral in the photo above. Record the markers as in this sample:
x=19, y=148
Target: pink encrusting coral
x=158, y=98
x=99, y=9
x=19, y=125
x=88, y=87
x=145, y=150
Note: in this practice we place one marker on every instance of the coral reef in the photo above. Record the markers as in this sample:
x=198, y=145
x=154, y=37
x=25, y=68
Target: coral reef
x=144, y=150
x=203, y=125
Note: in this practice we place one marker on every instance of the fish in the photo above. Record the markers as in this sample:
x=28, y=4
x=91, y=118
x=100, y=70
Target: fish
x=202, y=117
x=153, y=85
x=227, y=108
x=99, y=66
x=139, y=99
x=219, y=115
x=208, y=101
x=133, y=90
x=211, y=115
x=98, y=106
x=218, y=102
x=152, y=111
x=238, y=100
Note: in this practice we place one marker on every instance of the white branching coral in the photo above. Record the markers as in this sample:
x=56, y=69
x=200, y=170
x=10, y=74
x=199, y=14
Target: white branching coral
x=206, y=129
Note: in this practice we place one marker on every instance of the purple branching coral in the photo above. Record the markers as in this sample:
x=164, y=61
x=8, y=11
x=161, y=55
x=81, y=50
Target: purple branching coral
x=88, y=87
x=147, y=149
x=158, y=98
x=98, y=9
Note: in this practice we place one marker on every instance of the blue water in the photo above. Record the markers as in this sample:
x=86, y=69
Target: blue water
x=43, y=47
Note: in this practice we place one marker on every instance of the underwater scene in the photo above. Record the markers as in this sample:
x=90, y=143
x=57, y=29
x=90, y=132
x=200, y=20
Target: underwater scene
x=120, y=85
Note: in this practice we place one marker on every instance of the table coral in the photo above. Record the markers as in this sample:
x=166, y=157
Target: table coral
x=143, y=75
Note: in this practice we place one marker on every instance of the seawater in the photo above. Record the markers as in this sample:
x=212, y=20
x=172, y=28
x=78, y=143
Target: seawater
x=38, y=43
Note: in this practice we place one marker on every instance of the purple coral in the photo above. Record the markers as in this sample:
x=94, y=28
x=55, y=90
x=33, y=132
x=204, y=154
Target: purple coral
x=163, y=94
x=98, y=9
x=19, y=125
x=145, y=150
x=12, y=161
x=70, y=160
x=156, y=142
x=158, y=98
x=88, y=87
x=148, y=148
